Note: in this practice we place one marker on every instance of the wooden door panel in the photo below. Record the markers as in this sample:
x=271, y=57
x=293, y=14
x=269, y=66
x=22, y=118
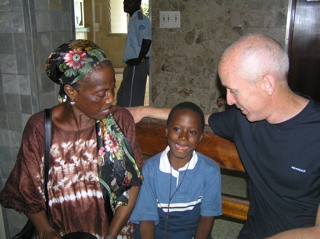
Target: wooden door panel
x=304, y=51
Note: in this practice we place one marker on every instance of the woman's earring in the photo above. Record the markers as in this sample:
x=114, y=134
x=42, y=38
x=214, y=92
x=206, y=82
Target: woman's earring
x=72, y=102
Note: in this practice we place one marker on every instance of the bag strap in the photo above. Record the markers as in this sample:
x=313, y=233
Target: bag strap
x=47, y=144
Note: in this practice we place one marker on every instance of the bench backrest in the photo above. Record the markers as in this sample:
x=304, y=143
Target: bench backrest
x=151, y=137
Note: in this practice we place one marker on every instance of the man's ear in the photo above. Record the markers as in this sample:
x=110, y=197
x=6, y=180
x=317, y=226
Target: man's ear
x=201, y=137
x=70, y=92
x=268, y=84
x=166, y=134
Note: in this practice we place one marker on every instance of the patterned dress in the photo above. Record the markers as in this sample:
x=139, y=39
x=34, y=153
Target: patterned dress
x=75, y=197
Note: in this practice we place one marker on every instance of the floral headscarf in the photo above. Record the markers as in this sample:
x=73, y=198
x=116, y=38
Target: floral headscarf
x=71, y=61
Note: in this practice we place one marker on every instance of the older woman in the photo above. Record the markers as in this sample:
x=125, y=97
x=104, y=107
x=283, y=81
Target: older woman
x=94, y=154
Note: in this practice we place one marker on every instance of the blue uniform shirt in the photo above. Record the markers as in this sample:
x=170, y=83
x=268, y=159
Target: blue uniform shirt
x=138, y=29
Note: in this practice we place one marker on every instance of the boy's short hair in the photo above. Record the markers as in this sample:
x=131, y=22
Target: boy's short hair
x=188, y=106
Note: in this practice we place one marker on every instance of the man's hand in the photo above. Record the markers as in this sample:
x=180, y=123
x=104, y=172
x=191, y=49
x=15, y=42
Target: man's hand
x=133, y=62
x=136, y=112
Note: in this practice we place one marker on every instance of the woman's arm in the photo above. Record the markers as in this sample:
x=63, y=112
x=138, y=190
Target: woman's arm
x=306, y=233
x=40, y=222
x=147, y=229
x=204, y=227
x=123, y=213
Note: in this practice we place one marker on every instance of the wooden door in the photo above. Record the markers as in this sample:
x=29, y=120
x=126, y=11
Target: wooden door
x=304, y=48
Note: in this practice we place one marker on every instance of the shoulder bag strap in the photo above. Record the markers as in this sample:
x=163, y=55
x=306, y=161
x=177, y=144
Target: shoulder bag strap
x=47, y=144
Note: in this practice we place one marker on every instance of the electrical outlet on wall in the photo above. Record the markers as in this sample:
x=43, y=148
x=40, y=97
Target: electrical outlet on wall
x=169, y=19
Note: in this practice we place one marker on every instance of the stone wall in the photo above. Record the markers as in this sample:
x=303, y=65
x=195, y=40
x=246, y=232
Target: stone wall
x=184, y=60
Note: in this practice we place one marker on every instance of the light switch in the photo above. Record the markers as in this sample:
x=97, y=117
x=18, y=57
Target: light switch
x=169, y=19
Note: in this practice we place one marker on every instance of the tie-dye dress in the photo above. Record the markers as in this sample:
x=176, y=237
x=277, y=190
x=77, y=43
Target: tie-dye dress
x=75, y=198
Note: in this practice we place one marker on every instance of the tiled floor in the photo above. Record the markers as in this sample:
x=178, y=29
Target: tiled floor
x=119, y=72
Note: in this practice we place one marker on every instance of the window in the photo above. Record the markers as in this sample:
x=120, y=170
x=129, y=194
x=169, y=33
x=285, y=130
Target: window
x=118, y=17
x=78, y=13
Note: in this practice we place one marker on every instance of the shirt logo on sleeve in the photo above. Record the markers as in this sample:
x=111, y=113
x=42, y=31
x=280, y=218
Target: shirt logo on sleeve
x=142, y=27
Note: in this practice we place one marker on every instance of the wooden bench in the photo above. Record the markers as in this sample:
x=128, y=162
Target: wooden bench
x=151, y=137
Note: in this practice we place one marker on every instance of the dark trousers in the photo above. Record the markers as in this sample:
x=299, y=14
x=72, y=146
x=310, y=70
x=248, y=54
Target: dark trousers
x=133, y=86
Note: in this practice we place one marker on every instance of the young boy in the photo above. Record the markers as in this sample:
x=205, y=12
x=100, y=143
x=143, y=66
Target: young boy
x=181, y=192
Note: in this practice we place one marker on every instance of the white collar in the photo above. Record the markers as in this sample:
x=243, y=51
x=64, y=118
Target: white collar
x=165, y=165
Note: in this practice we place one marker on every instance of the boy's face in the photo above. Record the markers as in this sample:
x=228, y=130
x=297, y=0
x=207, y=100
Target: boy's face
x=184, y=133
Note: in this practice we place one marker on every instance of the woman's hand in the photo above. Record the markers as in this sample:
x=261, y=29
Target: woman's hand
x=50, y=235
x=41, y=223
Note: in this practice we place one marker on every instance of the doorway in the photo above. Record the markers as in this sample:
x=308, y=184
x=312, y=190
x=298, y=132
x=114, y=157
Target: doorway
x=105, y=23
x=304, y=47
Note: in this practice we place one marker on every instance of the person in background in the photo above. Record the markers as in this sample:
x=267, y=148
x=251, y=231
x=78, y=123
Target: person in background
x=94, y=155
x=276, y=132
x=136, y=56
x=181, y=192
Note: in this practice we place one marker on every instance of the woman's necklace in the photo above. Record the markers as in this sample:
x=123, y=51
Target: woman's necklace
x=171, y=196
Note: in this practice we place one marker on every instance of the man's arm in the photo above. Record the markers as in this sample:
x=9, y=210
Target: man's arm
x=146, y=44
x=298, y=233
x=145, y=47
x=140, y=112
x=204, y=227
